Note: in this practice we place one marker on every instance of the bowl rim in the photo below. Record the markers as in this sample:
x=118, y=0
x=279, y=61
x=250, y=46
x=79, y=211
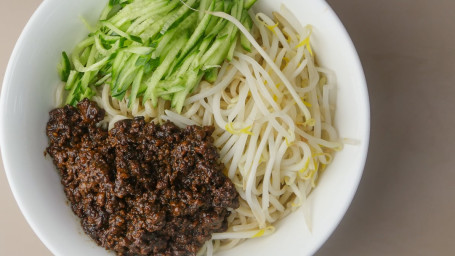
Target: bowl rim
x=366, y=125
x=3, y=105
x=45, y=239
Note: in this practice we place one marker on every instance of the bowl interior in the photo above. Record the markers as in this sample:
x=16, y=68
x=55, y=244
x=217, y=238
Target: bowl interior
x=28, y=95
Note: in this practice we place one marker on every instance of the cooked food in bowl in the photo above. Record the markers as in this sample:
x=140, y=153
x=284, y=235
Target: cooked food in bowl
x=194, y=64
x=140, y=189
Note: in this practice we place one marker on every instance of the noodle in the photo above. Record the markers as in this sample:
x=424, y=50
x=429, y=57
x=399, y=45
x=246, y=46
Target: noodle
x=275, y=134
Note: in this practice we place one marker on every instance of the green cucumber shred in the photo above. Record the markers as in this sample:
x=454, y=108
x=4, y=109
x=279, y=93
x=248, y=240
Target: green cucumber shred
x=145, y=50
x=64, y=68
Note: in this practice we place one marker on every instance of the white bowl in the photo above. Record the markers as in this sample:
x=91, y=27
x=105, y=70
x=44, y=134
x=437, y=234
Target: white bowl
x=27, y=97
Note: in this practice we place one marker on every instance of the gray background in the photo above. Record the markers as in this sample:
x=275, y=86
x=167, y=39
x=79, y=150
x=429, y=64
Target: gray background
x=405, y=203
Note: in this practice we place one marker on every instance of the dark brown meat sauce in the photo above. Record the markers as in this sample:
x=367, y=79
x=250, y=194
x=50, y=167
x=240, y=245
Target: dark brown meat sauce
x=141, y=188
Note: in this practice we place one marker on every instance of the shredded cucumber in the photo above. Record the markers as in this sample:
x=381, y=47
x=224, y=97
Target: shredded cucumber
x=64, y=68
x=150, y=49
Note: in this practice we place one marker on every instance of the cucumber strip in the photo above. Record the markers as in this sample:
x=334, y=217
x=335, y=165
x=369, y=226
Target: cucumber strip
x=132, y=11
x=82, y=84
x=139, y=9
x=91, y=65
x=178, y=70
x=180, y=66
x=228, y=6
x=212, y=24
x=102, y=80
x=230, y=54
x=108, y=68
x=151, y=28
x=227, y=28
x=248, y=3
x=247, y=22
x=84, y=56
x=124, y=79
x=76, y=55
x=219, y=7
x=73, y=76
x=159, y=72
x=64, y=67
x=71, y=99
x=108, y=38
x=141, y=50
x=217, y=28
x=239, y=11
x=112, y=12
x=100, y=47
x=146, y=20
x=204, y=5
x=119, y=32
x=85, y=80
x=218, y=46
x=198, y=33
x=87, y=75
x=104, y=14
x=115, y=2
x=151, y=65
x=166, y=97
x=88, y=93
x=154, y=29
x=186, y=64
x=135, y=87
x=245, y=43
x=176, y=17
x=179, y=98
x=217, y=57
x=211, y=75
x=152, y=20
x=119, y=60
x=170, y=87
x=142, y=60
x=165, y=43
x=236, y=12
x=96, y=66
x=206, y=43
x=149, y=10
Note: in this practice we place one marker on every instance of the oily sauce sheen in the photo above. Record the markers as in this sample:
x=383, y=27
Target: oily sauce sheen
x=141, y=188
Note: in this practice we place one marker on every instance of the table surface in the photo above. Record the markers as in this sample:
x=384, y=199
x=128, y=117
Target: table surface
x=405, y=202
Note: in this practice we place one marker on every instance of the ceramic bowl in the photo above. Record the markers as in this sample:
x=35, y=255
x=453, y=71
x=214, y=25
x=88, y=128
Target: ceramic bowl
x=28, y=95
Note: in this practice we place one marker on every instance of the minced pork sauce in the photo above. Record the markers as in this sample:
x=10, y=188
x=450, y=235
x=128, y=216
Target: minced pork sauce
x=140, y=188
